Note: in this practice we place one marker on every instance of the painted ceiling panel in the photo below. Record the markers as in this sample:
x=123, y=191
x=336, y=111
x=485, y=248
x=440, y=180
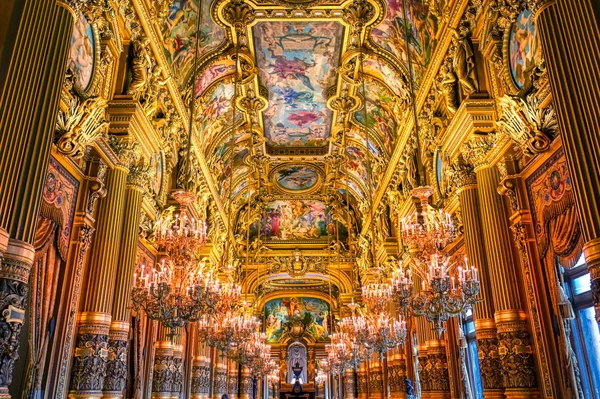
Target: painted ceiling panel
x=422, y=28
x=180, y=37
x=297, y=62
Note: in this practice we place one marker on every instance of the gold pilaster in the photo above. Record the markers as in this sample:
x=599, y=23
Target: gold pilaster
x=200, y=372
x=246, y=383
x=510, y=319
x=349, y=384
x=424, y=380
x=88, y=370
x=234, y=381
x=397, y=374
x=363, y=391
x=570, y=36
x=30, y=85
x=177, y=369
x=116, y=370
x=483, y=312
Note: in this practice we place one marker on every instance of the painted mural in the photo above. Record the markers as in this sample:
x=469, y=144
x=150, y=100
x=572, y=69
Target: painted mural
x=356, y=162
x=180, y=34
x=232, y=170
x=60, y=195
x=355, y=134
x=380, y=113
x=383, y=71
x=293, y=315
x=215, y=115
x=421, y=26
x=82, y=53
x=297, y=62
x=297, y=220
x=212, y=74
x=523, y=48
x=297, y=178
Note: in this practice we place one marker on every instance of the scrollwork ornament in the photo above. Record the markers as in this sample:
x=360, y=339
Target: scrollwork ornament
x=89, y=367
x=476, y=150
x=12, y=306
x=162, y=378
x=140, y=175
x=126, y=149
x=359, y=13
x=238, y=14
x=531, y=126
x=438, y=372
x=516, y=358
x=116, y=366
x=489, y=362
x=80, y=125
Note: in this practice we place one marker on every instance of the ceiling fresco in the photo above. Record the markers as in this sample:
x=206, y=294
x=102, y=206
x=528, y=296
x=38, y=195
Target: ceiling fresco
x=297, y=62
x=408, y=21
x=296, y=178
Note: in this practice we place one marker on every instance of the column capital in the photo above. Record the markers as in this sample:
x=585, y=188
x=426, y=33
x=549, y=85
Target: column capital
x=476, y=150
x=462, y=175
x=126, y=149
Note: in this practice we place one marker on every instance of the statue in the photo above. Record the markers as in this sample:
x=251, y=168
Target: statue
x=447, y=87
x=140, y=62
x=464, y=63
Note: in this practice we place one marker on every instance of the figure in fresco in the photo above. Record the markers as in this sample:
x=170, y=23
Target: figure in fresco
x=524, y=49
x=81, y=52
x=282, y=313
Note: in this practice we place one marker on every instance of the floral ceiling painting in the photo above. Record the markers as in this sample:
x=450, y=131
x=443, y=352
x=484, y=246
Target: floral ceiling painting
x=295, y=317
x=180, y=35
x=297, y=61
x=408, y=21
x=293, y=220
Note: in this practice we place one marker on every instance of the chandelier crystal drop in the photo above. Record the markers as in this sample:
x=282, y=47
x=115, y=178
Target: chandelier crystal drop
x=227, y=331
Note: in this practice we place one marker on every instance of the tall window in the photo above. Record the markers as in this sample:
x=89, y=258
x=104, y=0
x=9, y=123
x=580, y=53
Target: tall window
x=472, y=356
x=585, y=329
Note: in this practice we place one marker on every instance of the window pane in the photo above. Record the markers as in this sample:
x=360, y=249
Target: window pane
x=581, y=261
x=470, y=327
x=582, y=284
x=591, y=339
x=477, y=387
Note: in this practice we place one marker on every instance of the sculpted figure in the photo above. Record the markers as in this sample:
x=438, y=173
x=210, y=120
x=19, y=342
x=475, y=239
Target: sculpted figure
x=139, y=67
x=447, y=87
x=464, y=64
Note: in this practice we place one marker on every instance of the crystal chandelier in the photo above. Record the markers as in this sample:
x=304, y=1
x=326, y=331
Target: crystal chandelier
x=227, y=331
x=171, y=296
x=441, y=296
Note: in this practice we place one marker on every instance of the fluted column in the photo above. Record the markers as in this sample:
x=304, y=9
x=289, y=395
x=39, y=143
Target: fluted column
x=219, y=376
x=91, y=351
x=570, y=36
x=162, y=376
x=483, y=312
x=30, y=85
x=116, y=369
x=514, y=347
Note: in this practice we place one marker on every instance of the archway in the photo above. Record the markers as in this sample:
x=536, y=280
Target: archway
x=297, y=354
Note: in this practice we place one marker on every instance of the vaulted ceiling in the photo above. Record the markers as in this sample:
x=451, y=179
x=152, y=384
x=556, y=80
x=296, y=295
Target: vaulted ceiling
x=296, y=142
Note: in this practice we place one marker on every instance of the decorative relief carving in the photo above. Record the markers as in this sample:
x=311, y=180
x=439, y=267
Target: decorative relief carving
x=89, y=367
x=162, y=378
x=462, y=174
x=177, y=367
x=489, y=363
x=531, y=126
x=82, y=123
x=437, y=365
x=126, y=149
x=116, y=366
x=476, y=150
x=516, y=358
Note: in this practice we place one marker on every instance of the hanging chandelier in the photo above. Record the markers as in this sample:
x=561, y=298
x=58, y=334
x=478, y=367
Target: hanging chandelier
x=227, y=331
x=172, y=297
x=441, y=296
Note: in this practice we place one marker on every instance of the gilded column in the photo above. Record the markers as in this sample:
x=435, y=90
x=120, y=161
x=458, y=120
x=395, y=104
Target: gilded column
x=91, y=348
x=219, y=376
x=30, y=85
x=116, y=368
x=514, y=347
x=200, y=372
x=570, y=35
x=483, y=312
x=363, y=381
x=397, y=374
x=375, y=378
x=246, y=383
x=177, y=368
x=162, y=376
x=233, y=379
x=437, y=364
x=349, y=384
